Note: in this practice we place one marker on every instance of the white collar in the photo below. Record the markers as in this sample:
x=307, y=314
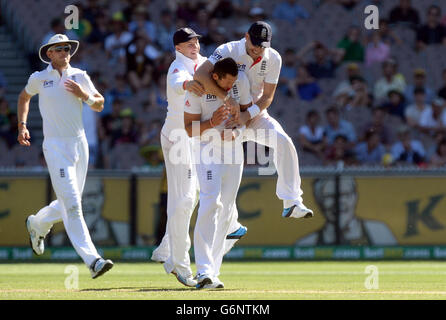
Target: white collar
x=188, y=62
x=67, y=70
x=242, y=50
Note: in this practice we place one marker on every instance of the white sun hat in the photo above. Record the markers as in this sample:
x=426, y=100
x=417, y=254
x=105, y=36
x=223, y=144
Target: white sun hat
x=57, y=38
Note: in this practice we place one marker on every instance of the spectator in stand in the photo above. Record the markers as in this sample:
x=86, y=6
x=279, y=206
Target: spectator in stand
x=165, y=31
x=139, y=66
x=353, y=50
x=387, y=35
x=307, y=86
x=311, y=135
x=92, y=10
x=116, y=42
x=337, y=126
x=407, y=150
x=442, y=90
x=215, y=37
x=354, y=95
x=351, y=71
x=3, y=85
x=413, y=111
x=290, y=11
x=395, y=105
x=127, y=132
x=121, y=89
x=255, y=14
x=4, y=117
x=325, y=61
x=419, y=81
x=158, y=95
x=371, y=151
x=378, y=125
x=347, y=4
x=100, y=32
x=220, y=9
x=112, y=122
x=141, y=21
x=340, y=151
x=377, y=50
x=438, y=159
x=433, y=120
x=405, y=15
x=432, y=32
x=288, y=74
x=201, y=25
x=391, y=80
x=150, y=133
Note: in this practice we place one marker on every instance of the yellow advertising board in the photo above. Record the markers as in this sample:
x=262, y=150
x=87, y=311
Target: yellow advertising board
x=19, y=197
x=375, y=211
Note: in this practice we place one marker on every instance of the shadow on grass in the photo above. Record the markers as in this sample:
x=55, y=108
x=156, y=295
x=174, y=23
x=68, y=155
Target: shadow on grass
x=148, y=289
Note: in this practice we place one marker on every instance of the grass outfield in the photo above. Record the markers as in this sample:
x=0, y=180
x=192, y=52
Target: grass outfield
x=243, y=280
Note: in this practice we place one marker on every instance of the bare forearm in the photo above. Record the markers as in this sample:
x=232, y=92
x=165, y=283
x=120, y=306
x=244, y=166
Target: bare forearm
x=22, y=110
x=203, y=126
x=264, y=102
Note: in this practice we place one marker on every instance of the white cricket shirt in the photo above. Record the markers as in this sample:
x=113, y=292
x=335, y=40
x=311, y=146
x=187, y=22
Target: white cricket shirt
x=266, y=69
x=61, y=110
x=207, y=104
x=180, y=70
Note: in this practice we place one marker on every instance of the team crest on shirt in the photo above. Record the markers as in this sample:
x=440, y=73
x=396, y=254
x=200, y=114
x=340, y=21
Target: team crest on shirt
x=48, y=83
x=187, y=103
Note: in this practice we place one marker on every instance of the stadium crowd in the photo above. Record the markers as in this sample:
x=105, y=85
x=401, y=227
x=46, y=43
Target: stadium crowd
x=392, y=120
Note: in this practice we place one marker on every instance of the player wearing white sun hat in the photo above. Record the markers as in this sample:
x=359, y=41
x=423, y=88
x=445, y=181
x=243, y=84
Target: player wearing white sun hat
x=62, y=90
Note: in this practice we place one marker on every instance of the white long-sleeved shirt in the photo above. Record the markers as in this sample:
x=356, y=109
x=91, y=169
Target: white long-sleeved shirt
x=181, y=69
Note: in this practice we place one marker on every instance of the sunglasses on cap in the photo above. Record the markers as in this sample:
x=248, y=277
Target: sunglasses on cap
x=65, y=48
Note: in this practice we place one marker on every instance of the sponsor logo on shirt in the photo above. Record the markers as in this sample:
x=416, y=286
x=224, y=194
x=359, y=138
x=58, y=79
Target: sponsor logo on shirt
x=210, y=97
x=48, y=83
x=217, y=56
x=175, y=70
x=241, y=67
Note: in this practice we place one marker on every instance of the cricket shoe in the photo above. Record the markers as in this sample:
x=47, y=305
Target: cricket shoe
x=187, y=281
x=36, y=242
x=203, y=280
x=158, y=257
x=237, y=234
x=216, y=284
x=297, y=210
x=99, y=267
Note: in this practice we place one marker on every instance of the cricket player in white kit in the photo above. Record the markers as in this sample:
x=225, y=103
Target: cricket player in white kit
x=219, y=175
x=262, y=64
x=62, y=91
x=182, y=182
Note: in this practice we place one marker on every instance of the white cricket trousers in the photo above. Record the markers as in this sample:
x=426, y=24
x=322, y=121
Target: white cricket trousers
x=67, y=161
x=267, y=131
x=217, y=213
x=182, y=186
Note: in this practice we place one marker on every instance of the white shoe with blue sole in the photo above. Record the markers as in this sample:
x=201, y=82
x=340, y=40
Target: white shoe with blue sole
x=240, y=232
x=298, y=210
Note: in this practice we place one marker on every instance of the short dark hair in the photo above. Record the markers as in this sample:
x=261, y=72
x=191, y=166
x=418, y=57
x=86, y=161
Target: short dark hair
x=225, y=66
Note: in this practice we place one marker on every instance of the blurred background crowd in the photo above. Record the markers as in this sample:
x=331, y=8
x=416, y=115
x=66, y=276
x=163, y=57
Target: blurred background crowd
x=346, y=94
